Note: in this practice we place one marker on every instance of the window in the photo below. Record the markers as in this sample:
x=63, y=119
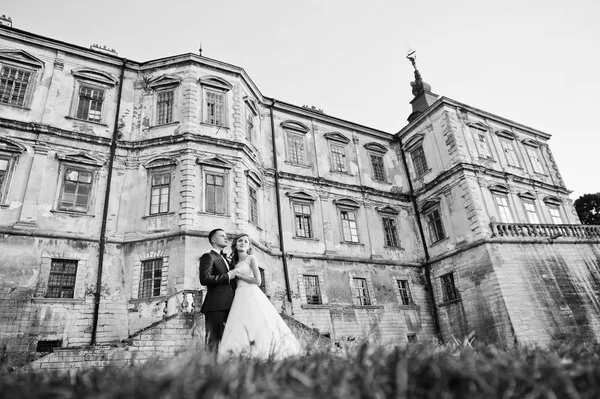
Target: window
x=555, y=214
x=14, y=83
x=378, y=168
x=483, y=146
x=89, y=105
x=164, y=107
x=503, y=209
x=508, y=146
x=349, y=228
x=295, y=148
x=534, y=157
x=449, y=291
x=151, y=278
x=361, y=291
x=215, y=193
x=215, y=108
x=338, y=157
x=435, y=226
x=76, y=190
x=61, y=281
x=419, y=161
x=5, y=164
x=253, y=204
x=160, y=191
x=251, y=114
x=250, y=127
x=404, y=290
x=313, y=291
x=303, y=219
x=412, y=338
x=390, y=231
x=47, y=346
x=531, y=211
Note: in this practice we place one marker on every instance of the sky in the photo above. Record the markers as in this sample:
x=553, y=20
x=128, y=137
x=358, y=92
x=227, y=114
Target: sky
x=534, y=62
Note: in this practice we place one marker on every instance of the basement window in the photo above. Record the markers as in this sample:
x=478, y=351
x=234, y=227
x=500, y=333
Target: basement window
x=48, y=346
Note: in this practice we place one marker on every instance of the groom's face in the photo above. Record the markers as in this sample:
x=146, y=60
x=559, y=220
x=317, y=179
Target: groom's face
x=220, y=239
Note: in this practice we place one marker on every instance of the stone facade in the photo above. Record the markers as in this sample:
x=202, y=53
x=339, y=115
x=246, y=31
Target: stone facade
x=114, y=171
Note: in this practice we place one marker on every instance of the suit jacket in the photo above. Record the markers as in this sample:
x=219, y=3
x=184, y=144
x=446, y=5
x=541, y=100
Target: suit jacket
x=219, y=290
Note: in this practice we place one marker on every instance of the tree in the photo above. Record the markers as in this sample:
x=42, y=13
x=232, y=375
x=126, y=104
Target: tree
x=588, y=208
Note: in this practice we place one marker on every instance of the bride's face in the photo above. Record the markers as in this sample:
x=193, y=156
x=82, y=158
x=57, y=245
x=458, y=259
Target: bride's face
x=242, y=244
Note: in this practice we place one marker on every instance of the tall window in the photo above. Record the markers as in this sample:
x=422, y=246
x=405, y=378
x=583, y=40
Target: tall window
x=338, y=157
x=160, y=193
x=378, y=168
x=534, y=157
x=61, y=282
x=4, y=177
x=215, y=193
x=482, y=145
x=503, y=209
x=349, y=227
x=250, y=126
x=295, y=148
x=531, y=211
x=215, y=108
x=76, y=189
x=303, y=220
x=449, y=291
x=13, y=85
x=89, y=106
x=253, y=204
x=151, y=278
x=361, y=291
x=390, y=231
x=555, y=214
x=508, y=146
x=435, y=225
x=164, y=107
x=313, y=291
x=419, y=161
x=404, y=290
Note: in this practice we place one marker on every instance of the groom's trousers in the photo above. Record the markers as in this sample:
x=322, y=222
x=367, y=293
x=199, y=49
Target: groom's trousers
x=214, y=325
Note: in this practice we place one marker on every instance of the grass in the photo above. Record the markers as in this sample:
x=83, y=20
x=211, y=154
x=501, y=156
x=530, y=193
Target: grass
x=458, y=370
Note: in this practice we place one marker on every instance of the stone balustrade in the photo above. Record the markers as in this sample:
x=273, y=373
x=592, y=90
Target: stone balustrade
x=186, y=301
x=552, y=231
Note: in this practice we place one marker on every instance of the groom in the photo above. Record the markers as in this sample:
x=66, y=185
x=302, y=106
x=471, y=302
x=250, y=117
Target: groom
x=218, y=279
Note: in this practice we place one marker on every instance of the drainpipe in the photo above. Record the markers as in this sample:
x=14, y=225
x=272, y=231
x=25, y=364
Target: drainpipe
x=113, y=150
x=425, y=250
x=288, y=291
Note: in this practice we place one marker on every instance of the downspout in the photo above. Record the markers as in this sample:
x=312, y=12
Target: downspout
x=113, y=150
x=425, y=250
x=288, y=291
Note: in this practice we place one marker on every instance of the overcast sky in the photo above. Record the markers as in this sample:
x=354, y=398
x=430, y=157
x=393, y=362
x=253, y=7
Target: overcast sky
x=534, y=62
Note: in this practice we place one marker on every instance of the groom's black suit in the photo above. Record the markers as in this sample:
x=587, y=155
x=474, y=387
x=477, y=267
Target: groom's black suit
x=219, y=296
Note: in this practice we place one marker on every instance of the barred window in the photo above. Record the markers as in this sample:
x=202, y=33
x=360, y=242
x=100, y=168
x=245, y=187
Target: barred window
x=76, y=190
x=482, y=145
x=215, y=108
x=313, y=291
x=435, y=226
x=449, y=291
x=13, y=85
x=508, y=146
x=295, y=148
x=531, y=211
x=405, y=295
x=151, y=278
x=89, y=106
x=303, y=220
x=215, y=193
x=390, y=231
x=419, y=160
x=503, y=208
x=253, y=204
x=160, y=191
x=61, y=282
x=534, y=157
x=362, y=291
x=338, y=158
x=164, y=107
x=378, y=168
x=349, y=227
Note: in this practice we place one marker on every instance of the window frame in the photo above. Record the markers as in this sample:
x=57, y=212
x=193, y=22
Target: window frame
x=503, y=210
x=310, y=299
x=10, y=152
x=156, y=291
x=530, y=207
x=152, y=174
x=26, y=99
x=338, y=147
x=512, y=150
x=158, y=86
x=251, y=117
x=295, y=129
x=62, y=286
x=419, y=161
x=348, y=207
x=216, y=86
x=404, y=293
x=554, y=204
x=95, y=80
x=534, y=153
x=217, y=167
x=438, y=233
x=24, y=62
x=170, y=107
x=302, y=199
x=379, y=151
x=449, y=288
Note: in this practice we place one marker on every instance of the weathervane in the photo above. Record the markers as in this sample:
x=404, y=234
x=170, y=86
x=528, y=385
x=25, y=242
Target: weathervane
x=418, y=85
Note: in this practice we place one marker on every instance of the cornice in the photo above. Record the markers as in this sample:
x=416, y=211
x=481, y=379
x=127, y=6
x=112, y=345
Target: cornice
x=38, y=128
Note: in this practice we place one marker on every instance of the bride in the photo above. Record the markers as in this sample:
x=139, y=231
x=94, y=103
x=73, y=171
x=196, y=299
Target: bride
x=253, y=328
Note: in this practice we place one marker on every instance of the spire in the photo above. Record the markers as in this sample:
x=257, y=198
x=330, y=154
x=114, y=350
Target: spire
x=420, y=89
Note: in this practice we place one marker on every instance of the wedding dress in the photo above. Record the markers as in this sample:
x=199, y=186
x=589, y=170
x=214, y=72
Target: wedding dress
x=254, y=328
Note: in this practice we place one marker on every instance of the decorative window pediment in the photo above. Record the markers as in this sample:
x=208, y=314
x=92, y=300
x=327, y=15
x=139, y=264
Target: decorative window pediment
x=531, y=143
x=21, y=57
x=252, y=175
x=506, y=134
x=388, y=210
x=428, y=204
x=376, y=147
x=94, y=75
x=300, y=195
x=159, y=161
x=251, y=105
x=335, y=136
x=552, y=200
x=346, y=202
x=499, y=188
x=295, y=126
x=217, y=162
x=164, y=82
x=7, y=145
x=478, y=125
x=414, y=141
x=80, y=158
x=527, y=195
x=215, y=82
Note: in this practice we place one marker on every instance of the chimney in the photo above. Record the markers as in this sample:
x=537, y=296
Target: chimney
x=103, y=49
x=5, y=21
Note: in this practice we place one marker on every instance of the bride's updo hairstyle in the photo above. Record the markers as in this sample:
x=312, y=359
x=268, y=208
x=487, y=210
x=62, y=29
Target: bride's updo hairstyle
x=235, y=258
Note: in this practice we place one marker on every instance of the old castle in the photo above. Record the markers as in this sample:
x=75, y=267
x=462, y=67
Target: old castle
x=113, y=171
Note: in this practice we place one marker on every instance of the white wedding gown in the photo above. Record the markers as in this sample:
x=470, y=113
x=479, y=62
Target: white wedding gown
x=254, y=328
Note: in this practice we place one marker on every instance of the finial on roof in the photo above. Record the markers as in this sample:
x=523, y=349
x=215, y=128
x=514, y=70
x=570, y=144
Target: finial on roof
x=200, y=49
x=418, y=85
